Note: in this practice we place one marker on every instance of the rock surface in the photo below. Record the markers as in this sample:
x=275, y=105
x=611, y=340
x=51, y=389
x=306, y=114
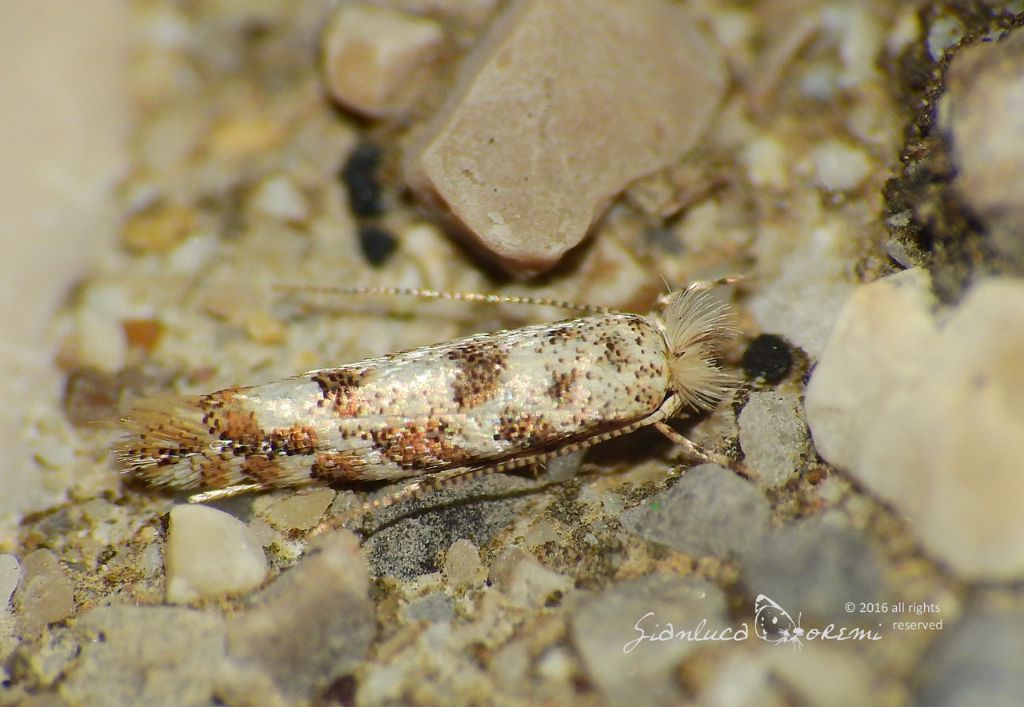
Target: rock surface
x=462, y=565
x=10, y=575
x=261, y=181
x=311, y=626
x=375, y=58
x=983, y=113
x=45, y=594
x=975, y=662
x=710, y=511
x=528, y=583
x=814, y=568
x=928, y=414
x=773, y=436
x=146, y=655
x=631, y=669
x=556, y=110
x=301, y=511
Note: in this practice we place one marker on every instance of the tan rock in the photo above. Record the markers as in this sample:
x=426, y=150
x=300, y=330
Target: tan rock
x=300, y=511
x=45, y=594
x=158, y=228
x=374, y=58
x=472, y=13
x=556, y=110
x=927, y=413
x=462, y=565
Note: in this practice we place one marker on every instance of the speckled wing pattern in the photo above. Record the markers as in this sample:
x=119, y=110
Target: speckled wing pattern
x=470, y=403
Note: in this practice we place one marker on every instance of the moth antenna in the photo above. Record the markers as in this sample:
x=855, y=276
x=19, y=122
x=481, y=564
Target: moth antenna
x=445, y=295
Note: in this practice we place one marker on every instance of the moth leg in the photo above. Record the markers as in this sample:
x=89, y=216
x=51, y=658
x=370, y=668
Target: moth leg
x=705, y=454
x=671, y=408
x=228, y=492
x=416, y=489
x=444, y=479
x=536, y=470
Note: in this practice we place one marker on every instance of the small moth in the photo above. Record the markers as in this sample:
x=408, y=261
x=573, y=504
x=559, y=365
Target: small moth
x=482, y=404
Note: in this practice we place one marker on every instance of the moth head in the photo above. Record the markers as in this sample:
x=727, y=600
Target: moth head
x=697, y=328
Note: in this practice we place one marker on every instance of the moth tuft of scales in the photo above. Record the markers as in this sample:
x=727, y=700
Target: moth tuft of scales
x=451, y=411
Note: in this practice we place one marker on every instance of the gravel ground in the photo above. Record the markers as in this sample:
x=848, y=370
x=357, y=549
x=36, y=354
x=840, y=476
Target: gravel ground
x=857, y=164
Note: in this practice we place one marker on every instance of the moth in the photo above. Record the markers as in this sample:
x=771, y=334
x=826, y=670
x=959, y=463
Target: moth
x=450, y=411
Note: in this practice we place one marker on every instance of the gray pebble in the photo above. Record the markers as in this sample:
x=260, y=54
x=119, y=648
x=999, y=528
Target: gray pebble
x=631, y=671
x=976, y=662
x=408, y=539
x=709, y=511
x=773, y=436
x=152, y=655
x=815, y=569
x=433, y=608
x=563, y=468
x=313, y=624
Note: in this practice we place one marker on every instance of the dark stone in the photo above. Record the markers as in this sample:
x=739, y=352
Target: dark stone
x=769, y=358
x=378, y=244
x=360, y=177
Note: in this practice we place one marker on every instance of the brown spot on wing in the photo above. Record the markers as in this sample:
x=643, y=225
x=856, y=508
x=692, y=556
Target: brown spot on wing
x=616, y=349
x=227, y=421
x=263, y=470
x=298, y=439
x=563, y=333
x=339, y=466
x=240, y=430
x=218, y=400
x=478, y=377
x=420, y=446
x=339, y=386
x=240, y=426
x=526, y=430
x=562, y=383
x=215, y=472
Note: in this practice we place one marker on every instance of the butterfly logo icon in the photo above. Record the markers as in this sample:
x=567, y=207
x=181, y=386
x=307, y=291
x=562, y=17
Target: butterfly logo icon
x=772, y=623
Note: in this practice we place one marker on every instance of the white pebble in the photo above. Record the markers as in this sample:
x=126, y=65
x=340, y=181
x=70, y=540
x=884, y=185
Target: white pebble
x=925, y=411
x=300, y=511
x=767, y=163
x=981, y=113
x=839, y=166
x=531, y=584
x=210, y=554
x=100, y=341
x=462, y=565
x=193, y=253
x=556, y=666
x=944, y=33
x=279, y=198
